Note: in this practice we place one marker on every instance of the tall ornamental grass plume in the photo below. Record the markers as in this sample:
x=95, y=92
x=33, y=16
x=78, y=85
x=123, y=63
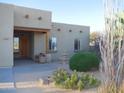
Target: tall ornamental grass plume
x=112, y=48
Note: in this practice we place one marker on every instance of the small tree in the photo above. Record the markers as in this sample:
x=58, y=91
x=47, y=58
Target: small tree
x=94, y=37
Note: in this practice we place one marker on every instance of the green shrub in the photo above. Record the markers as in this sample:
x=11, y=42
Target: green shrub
x=71, y=81
x=74, y=79
x=89, y=80
x=62, y=79
x=84, y=61
x=67, y=83
x=80, y=85
x=59, y=76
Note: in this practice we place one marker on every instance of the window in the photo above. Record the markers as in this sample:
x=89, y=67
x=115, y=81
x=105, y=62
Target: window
x=53, y=44
x=76, y=45
x=16, y=44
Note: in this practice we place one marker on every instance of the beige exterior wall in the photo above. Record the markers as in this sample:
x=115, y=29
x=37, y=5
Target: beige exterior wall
x=11, y=16
x=32, y=21
x=65, y=39
x=6, y=35
x=39, y=43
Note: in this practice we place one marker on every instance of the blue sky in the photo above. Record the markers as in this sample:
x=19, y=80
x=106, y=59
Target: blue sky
x=82, y=12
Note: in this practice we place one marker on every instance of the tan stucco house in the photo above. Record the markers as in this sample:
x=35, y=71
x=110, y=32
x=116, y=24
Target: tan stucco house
x=26, y=32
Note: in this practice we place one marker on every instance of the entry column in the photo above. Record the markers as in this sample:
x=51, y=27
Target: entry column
x=6, y=35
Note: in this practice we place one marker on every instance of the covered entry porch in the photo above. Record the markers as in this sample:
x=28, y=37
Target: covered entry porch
x=29, y=42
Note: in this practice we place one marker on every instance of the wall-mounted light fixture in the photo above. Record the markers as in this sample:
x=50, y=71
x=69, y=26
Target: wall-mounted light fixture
x=26, y=16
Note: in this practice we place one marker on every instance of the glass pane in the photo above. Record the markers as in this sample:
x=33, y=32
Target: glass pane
x=76, y=44
x=53, y=44
x=50, y=44
x=16, y=44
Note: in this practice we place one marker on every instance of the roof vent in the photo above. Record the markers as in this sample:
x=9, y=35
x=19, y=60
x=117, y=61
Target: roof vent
x=26, y=16
x=40, y=18
x=58, y=29
x=70, y=30
x=81, y=31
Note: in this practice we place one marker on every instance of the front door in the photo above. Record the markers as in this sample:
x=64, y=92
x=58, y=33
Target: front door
x=24, y=46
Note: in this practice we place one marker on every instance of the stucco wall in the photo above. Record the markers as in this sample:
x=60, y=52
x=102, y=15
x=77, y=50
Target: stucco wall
x=6, y=35
x=32, y=21
x=65, y=39
x=39, y=43
x=11, y=16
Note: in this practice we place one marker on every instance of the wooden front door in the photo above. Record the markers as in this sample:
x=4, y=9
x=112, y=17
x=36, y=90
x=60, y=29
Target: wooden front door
x=24, y=46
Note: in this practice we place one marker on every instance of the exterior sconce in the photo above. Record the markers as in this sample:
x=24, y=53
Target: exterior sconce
x=70, y=30
x=40, y=18
x=26, y=16
x=58, y=29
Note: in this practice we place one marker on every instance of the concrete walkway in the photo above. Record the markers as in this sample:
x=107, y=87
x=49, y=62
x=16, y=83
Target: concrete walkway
x=7, y=83
x=24, y=77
